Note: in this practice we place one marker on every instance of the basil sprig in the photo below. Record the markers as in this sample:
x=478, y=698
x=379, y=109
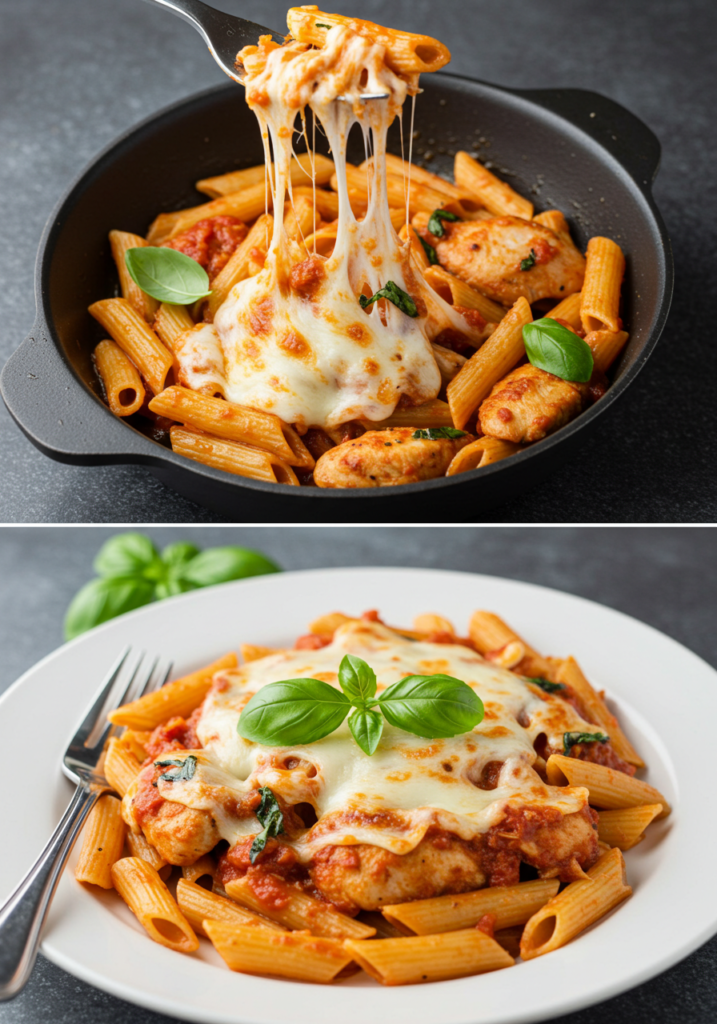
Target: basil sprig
x=529, y=261
x=544, y=684
x=296, y=712
x=571, y=738
x=434, y=222
x=428, y=249
x=437, y=433
x=167, y=274
x=554, y=348
x=269, y=814
x=319, y=24
x=133, y=573
x=187, y=768
x=394, y=294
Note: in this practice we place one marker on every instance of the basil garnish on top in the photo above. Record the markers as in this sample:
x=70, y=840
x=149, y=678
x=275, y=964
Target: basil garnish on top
x=167, y=275
x=394, y=294
x=570, y=739
x=319, y=24
x=428, y=249
x=269, y=814
x=529, y=261
x=434, y=222
x=296, y=712
x=544, y=684
x=437, y=433
x=555, y=349
x=187, y=768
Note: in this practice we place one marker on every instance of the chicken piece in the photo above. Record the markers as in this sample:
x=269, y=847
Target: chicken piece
x=488, y=255
x=529, y=404
x=386, y=458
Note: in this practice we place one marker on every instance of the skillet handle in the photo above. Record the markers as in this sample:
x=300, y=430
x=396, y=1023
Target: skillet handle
x=625, y=136
x=66, y=422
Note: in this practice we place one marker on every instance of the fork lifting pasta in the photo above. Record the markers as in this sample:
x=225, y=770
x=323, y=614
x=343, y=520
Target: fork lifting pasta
x=407, y=840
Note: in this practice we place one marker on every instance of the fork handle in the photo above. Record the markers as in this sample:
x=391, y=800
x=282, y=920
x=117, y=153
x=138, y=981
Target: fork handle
x=23, y=915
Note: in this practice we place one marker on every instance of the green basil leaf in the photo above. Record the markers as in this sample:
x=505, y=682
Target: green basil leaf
x=171, y=587
x=437, y=433
x=218, y=565
x=269, y=814
x=544, y=684
x=366, y=726
x=571, y=738
x=319, y=24
x=167, y=275
x=127, y=554
x=433, y=707
x=428, y=249
x=178, y=554
x=554, y=348
x=394, y=294
x=187, y=768
x=529, y=261
x=293, y=712
x=357, y=679
x=434, y=222
x=103, y=599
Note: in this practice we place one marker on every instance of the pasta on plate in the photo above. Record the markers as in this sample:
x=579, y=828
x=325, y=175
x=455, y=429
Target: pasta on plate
x=346, y=301
x=471, y=809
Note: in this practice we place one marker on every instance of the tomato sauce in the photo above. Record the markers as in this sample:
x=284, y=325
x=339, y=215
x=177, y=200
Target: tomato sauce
x=210, y=242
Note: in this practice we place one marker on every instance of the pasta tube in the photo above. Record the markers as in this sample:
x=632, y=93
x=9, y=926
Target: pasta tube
x=483, y=452
x=198, y=905
x=296, y=955
x=139, y=847
x=625, y=827
x=408, y=961
x=458, y=293
x=496, y=195
x=601, y=291
x=122, y=383
x=431, y=414
x=240, y=459
x=102, y=843
x=608, y=788
x=236, y=268
x=120, y=242
x=303, y=168
x=490, y=633
x=568, y=310
x=606, y=346
x=121, y=767
x=150, y=901
x=299, y=910
x=136, y=339
x=171, y=322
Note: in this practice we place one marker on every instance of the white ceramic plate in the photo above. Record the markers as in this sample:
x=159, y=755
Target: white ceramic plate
x=666, y=697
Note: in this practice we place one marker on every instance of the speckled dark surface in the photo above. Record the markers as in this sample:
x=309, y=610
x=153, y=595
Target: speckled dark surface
x=77, y=73
x=664, y=577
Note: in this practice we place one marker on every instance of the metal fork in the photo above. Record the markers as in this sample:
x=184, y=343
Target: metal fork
x=23, y=914
x=225, y=35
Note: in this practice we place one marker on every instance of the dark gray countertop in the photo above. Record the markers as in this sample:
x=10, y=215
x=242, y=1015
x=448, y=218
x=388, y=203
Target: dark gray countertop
x=663, y=577
x=77, y=73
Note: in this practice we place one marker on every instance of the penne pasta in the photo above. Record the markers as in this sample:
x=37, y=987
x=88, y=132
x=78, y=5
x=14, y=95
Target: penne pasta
x=569, y=672
x=170, y=324
x=429, y=623
x=299, y=218
x=568, y=310
x=601, y=291
x=122, y=383
x=198, y=905
x=204, y=868
x=511, y=905
x=161, y=227
x=483, y=452
x=120, y=242
x=139, y=847
x=150, y=901
x=252, y=652
x=246, y=205
x=102, y=843
x=499, y=354
x=136, y=339
x=408, y=961
x=304, y=167
x=401, y=168
x=232, y=457
x=136, y=740
x=458, y=293
x=420, y=197
x=297, y=909
x=606, y=346
x=178, y=698
x=625, y=828
x=579, y=905
x=608, y=788
x=236, y=268
x=409, y=234
x=431, y=414
x=554, y=220
x=295, y=955
x=121, y=767
x=497, y=196
x=490, y=633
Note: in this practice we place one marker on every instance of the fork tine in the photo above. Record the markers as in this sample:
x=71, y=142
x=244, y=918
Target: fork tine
x=138, y=688
x=95, y=710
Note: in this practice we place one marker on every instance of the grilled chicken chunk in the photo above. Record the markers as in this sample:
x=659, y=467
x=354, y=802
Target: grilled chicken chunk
x=488, y=255
x=529, y=404
x=386, y=458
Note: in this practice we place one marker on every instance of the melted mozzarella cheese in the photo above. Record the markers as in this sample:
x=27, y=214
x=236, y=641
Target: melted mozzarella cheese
x=321, y=360
x=413, y=782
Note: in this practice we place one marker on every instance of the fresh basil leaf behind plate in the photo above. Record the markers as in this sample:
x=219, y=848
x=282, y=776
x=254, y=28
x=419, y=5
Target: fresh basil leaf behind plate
x=102, y=600
x=127, y=554
x=433, y=707
x=366, y=727
x=179, y=553
x=356, y=678
x=219, y=565
x=292, y=713
x=555, y=349
x=167, y=275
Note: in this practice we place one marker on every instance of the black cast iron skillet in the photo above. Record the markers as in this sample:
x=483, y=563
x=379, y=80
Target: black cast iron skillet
x=565, y=148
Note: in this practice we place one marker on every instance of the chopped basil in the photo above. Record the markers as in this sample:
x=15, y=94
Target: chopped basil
x=428, y=249
x=269, y=814
x=394, y=294
x=545, y=684
x=187, y=768
x=529, y=261
x=437, y=434
x=319, y=24
x=570, y=739
x=434, y=222
x=555, y=349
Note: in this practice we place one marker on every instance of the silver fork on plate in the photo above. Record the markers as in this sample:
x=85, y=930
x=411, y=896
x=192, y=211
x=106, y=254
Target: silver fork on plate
x=23, y=914
x=225, y=35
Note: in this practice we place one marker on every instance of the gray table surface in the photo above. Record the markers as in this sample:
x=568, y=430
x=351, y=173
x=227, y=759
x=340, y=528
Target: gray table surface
x=665, y=577
x=75, y=74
